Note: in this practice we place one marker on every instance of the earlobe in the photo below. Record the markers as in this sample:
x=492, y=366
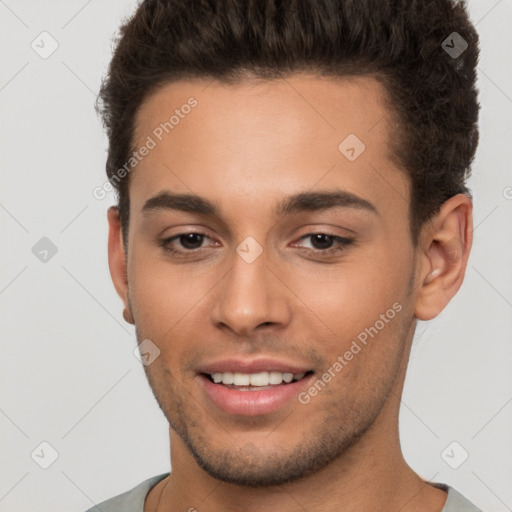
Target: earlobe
x=446, y=245
x=117, y=261
x=127, y=315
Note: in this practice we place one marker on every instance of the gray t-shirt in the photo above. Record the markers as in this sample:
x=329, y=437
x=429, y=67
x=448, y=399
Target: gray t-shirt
x=133, y=500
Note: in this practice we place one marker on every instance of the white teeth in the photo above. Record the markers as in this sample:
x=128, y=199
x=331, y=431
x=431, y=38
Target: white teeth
x=241, y=379
x=275, y=378
x=255, y=379
x=259, y=379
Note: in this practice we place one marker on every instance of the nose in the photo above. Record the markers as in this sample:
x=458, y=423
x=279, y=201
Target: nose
x=251, y=297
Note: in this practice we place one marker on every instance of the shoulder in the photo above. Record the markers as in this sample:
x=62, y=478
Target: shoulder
x=129, y=501
x=456, y=502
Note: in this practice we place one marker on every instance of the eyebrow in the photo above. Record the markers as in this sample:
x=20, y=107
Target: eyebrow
x=302, y=202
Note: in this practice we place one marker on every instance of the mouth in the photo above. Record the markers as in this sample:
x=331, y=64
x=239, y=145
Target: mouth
x=253, y=393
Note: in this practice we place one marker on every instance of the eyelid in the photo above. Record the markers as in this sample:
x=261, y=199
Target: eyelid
x=166, y=240
x=341, y=243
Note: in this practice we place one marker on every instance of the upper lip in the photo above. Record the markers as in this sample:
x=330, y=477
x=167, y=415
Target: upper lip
x=252, y=366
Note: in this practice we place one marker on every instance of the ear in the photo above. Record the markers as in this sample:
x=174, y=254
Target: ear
x=117, y=260
x=444, y=246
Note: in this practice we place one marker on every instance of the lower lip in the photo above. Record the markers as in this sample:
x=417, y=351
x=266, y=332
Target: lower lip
x=252, y=403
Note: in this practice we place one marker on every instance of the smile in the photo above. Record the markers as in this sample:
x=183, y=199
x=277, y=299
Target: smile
x=253, y=394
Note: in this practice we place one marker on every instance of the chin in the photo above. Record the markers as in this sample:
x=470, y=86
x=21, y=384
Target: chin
x=250, y=466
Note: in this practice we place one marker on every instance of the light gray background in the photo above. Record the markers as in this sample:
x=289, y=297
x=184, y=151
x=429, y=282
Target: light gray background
x=68, y=374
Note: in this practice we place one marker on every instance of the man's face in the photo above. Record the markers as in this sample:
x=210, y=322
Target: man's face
x=255, y=290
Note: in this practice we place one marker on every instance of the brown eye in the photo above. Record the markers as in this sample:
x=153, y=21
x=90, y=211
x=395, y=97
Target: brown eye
x=322, y=241
x=183, y=242
x=191, y=240
x=327, y=243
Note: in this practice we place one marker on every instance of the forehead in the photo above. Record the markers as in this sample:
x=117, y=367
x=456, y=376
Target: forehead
x=262, y=139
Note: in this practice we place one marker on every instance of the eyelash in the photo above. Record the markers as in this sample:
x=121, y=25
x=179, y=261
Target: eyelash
x=341, y=244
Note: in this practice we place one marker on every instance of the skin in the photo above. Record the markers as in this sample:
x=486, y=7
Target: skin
x=246, y=146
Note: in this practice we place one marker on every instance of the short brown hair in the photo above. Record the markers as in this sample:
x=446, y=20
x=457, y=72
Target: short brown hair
x=400, y=42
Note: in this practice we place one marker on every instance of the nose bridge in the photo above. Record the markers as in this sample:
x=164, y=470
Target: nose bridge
x=251, y=294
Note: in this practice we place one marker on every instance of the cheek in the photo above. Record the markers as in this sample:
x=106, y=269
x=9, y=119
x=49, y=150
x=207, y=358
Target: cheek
x=165, y=296
x=355, y=293
x=360, y=306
